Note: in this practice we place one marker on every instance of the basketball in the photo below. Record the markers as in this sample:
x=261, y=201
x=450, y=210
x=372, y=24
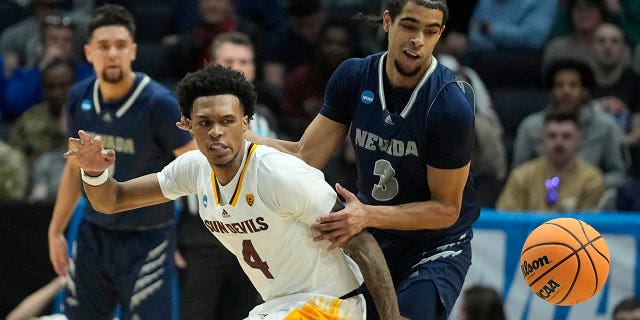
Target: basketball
x=565, y=261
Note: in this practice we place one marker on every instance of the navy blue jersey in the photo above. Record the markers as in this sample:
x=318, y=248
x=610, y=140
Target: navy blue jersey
x=141, y=128
x=432, y=125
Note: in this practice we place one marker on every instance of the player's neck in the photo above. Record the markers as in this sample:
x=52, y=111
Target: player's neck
x=116, y=91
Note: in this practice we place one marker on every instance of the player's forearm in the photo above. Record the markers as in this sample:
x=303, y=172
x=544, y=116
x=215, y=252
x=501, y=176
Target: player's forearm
x=103, y=198
x=67, y=198
x=430, y=214
x=113, y=196
x=364, y=249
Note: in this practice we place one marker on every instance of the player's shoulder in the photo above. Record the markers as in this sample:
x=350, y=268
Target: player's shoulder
x=358, y=66
x=154, y=88
x=275, y=160
x=274, y=156
x=449, y=84
x=82, y=86
x=452, y=97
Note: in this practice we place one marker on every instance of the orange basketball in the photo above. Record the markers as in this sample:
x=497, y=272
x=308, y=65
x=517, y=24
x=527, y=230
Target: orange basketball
x=565, y=261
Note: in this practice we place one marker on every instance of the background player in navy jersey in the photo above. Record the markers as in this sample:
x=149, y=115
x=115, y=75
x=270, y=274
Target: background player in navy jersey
x=411, y=124
x=119, y=259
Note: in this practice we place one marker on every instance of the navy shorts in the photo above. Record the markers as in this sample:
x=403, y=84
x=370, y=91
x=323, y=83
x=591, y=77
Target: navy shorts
x=430, y=288
x=133, y=269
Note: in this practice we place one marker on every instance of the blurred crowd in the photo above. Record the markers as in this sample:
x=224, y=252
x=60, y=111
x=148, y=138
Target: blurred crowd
x=557, y=100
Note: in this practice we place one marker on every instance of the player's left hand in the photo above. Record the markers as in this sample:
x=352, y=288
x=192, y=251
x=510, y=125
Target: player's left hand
x=340, y=226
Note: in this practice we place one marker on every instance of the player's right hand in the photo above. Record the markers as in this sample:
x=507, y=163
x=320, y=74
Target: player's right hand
x=89, y=153
x=58, y=253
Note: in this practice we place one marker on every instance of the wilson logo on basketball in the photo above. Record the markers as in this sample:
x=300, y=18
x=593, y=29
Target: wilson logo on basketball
x=528, y=267
x=548, y=289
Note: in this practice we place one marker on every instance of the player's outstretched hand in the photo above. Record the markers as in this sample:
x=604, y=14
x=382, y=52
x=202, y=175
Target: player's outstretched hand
x=89, y=153
x=340, y=226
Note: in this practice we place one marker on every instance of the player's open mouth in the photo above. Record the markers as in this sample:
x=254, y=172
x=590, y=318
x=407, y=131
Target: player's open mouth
x=411, y=56
x=219, y=149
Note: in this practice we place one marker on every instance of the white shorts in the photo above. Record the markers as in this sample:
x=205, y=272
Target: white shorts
x=307, y=306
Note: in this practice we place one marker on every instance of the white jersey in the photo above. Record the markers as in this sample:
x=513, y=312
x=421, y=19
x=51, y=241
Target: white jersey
x=263, y=216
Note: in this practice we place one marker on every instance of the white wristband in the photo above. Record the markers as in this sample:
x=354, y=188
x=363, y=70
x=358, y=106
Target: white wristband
x=95, y=181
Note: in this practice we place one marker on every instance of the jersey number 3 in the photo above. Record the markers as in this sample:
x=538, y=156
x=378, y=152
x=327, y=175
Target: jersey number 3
x=251, y=257
x=387, y=186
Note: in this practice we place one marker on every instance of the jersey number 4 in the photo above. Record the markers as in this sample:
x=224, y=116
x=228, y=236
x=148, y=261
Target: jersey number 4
x=387, y=186
x=251, y=257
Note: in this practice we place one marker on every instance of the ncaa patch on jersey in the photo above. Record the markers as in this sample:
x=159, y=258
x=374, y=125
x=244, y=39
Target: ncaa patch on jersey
x=250, y=199
x=205, y=201
x=86, y=105
x=366, y=97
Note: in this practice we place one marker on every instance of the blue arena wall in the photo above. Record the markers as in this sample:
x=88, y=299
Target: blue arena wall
x=498, y=241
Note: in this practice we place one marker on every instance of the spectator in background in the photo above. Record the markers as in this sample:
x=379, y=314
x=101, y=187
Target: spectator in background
x=481, y=303
x=627, y=309
x=515, y=25
x=21, y=42
x=584, y=17
x=304, y=86
x=268, y=15
x=24, y=87
x=612, y=69
x=626, y=14
x=235, y=50
x=190, y=50
x=22, y=39
x=558, y=180
x=618, y=86
x=296, y=44
x=14, y=173
x=570, y=83
x=40, y=133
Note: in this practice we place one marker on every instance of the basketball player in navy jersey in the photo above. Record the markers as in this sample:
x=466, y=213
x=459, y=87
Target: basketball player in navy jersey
x=410, y=121
x=125, y=259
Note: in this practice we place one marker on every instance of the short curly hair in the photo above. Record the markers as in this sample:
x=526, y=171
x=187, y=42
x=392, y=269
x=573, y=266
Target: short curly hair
x=213, y=80
x=586, y=73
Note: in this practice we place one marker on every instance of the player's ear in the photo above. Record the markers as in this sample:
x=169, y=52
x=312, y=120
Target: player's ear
x=134, y=51
x=87, y=52
x=386, y=20
x=186, y=124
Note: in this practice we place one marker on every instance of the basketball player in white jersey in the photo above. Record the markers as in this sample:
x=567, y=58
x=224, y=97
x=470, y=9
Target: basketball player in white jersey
x=259, y=202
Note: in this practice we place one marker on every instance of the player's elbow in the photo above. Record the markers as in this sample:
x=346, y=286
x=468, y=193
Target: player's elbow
x=101, y=203
x=449, y=215
x=102, y=207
